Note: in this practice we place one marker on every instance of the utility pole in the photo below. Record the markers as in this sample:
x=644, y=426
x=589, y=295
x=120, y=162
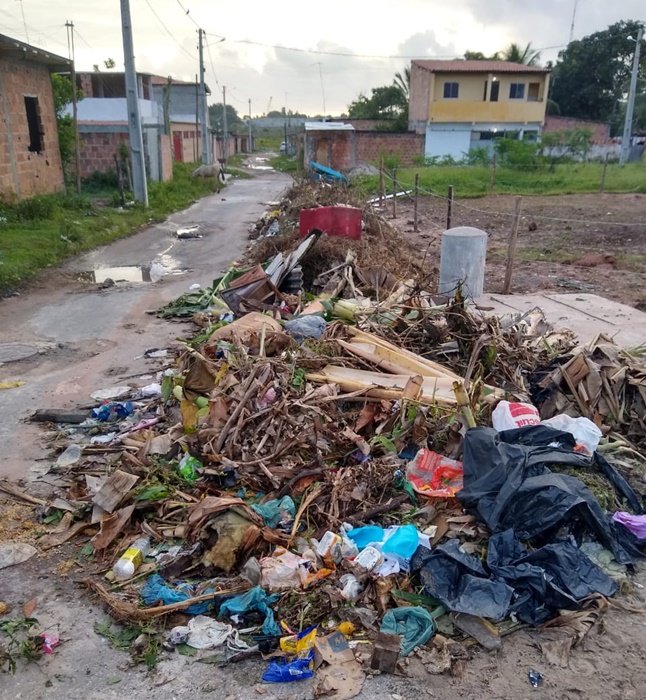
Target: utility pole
x=197, y=118
x=225, y=125
x=576, y=2
x=139, y=185
x=77, y=147
x=204, y=112
x=250, y=142
x=630, y=107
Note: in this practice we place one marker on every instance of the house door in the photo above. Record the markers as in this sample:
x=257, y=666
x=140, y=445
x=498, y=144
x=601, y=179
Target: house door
x=323, y=152
x=178, y=151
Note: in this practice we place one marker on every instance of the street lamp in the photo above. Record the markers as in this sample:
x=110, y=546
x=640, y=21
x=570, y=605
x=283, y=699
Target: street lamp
x=630, y=107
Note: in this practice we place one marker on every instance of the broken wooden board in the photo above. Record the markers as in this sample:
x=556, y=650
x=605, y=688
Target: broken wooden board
x=114, y=489
x=434, y=390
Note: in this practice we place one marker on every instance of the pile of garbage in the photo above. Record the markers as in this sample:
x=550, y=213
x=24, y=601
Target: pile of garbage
x=347, y=476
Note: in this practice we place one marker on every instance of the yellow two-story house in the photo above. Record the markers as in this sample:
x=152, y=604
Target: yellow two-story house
x=460, y=105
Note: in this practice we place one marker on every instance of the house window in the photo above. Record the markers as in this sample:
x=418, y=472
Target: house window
x=451, y=90
x=533, y=92
x=495, y=90
x=484, y=94
x=33, y=122
x=517, y=91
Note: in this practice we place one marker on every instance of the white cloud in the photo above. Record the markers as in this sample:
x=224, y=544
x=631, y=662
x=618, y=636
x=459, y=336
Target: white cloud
x=378, y=27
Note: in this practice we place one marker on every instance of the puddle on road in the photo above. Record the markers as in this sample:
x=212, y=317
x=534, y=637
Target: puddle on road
x=259, y=164
x=166, y=267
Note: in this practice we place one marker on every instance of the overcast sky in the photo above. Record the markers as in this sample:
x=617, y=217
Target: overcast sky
x=372, y=39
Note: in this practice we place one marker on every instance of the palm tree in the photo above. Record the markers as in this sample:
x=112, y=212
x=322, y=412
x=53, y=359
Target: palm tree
x=515, y=54
x=402, y=83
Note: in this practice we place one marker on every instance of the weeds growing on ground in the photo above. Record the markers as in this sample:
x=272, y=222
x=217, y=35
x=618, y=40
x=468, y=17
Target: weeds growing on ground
x=42, y=231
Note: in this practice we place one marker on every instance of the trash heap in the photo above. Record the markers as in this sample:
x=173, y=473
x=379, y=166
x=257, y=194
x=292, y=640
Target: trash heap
x=356, y=475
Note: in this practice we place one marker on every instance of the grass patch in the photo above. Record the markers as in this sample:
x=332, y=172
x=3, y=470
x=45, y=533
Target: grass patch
x=43, y=231
x=473, y=180
x=285, y=164
x=546, y=255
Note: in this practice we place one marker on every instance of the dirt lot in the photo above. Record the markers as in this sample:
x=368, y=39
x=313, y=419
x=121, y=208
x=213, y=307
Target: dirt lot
x=590, y=242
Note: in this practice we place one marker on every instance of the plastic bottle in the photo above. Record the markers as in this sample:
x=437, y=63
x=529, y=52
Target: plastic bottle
x=131, y=559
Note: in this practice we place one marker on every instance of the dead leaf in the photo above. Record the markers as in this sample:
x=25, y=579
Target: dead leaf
x=57, y=538
x=112, y=526
x=29, y=607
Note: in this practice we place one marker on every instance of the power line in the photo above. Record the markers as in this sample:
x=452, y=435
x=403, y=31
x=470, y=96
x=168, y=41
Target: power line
x=187, y=13
x=168, y=31
x=215, y=77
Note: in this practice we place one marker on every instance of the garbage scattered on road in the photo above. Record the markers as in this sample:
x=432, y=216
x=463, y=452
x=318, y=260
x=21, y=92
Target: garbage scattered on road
x=319, y=456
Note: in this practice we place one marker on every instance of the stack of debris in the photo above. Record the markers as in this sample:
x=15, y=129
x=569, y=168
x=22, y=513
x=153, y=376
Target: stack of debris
x=310, y=461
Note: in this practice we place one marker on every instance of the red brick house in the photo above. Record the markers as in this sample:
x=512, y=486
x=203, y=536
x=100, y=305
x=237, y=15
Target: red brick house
x=30, y=161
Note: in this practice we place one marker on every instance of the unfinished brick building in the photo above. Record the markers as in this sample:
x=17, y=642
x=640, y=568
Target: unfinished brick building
x=30, y=161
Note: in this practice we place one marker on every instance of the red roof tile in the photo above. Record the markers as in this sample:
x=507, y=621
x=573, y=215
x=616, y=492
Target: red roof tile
x=462, y=66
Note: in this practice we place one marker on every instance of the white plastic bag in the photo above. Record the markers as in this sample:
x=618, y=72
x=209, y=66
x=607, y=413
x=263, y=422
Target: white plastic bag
x=584, y=430
x=507, y=416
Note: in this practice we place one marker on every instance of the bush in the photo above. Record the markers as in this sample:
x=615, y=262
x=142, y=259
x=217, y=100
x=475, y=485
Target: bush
x=478, y=156
x=40, y=207
x=513, y=153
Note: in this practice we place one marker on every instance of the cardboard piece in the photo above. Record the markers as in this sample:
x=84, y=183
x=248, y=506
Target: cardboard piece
x=338, y=674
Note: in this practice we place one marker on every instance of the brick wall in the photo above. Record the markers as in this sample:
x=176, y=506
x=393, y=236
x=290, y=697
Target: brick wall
x=24, y=173
x=334, y=149
x=98, y=150
x=372, y=145
x=600, y=131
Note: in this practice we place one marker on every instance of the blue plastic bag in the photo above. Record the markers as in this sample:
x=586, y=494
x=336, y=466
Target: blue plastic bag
x=415, y=625
x=403, y=542
x=113, y=410
x=254, y=599
x=272, y=511
x=286, y=672
x=363, y=536
x=156, y=590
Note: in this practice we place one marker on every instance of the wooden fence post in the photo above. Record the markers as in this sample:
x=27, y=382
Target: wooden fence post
x=513, y=238
x=394, y=193
x=492, y=174
x=415, y=227
x=381, y=182
x=602, y=184
x=449, y=208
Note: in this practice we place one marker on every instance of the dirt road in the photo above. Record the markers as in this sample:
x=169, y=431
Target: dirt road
x=78, y=335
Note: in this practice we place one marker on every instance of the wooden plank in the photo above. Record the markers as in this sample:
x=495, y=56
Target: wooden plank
x=112, y=492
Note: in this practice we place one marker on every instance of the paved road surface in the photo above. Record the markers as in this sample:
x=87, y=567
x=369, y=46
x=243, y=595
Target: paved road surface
x=88, y=338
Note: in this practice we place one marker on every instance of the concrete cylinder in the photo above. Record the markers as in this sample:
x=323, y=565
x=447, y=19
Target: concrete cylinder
x=462, y=259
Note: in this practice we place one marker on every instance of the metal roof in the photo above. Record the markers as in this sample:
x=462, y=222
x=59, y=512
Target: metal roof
x=463, y=66
x=12, y=48
x=328, y=126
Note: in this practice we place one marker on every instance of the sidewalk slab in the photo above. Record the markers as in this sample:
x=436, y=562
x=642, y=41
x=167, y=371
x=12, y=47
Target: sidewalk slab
x=585, y=314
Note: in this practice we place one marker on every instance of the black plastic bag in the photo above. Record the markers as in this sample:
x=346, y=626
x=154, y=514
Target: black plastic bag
x=508, y=483
x=458, y=580
x=555, y=576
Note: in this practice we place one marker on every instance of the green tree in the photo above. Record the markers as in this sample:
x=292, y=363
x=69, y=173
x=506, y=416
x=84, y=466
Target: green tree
x=234, y=123
x=479, y=56
x=63, y=95
x=402, y=82
x=516, y=54
x=591, y=77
